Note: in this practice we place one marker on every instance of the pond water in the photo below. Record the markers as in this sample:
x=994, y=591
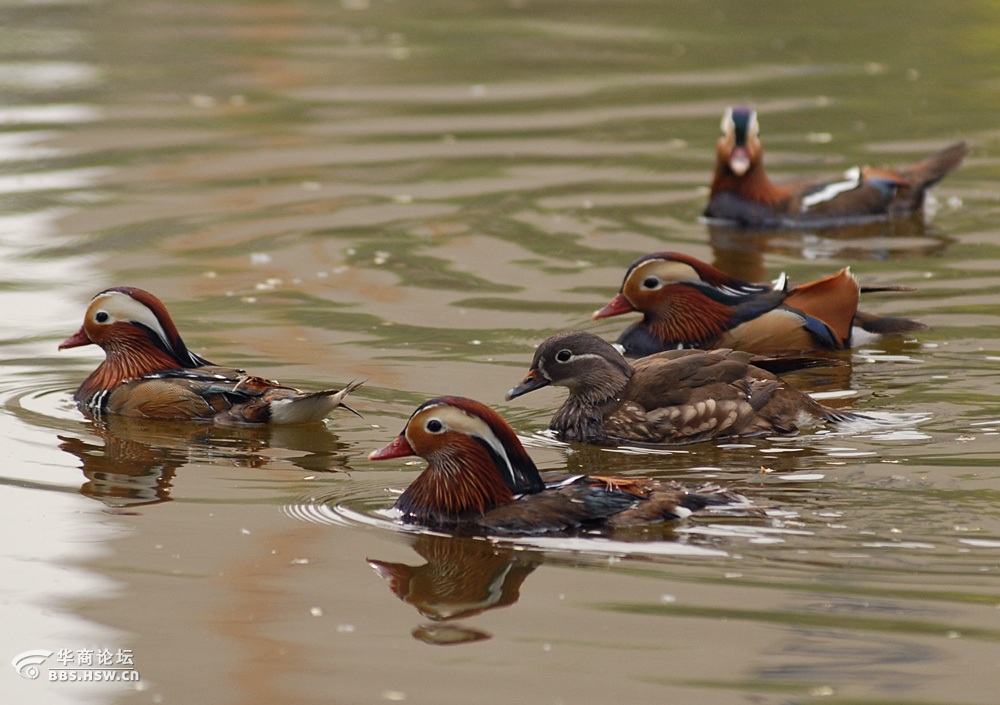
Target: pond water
x=417, y=194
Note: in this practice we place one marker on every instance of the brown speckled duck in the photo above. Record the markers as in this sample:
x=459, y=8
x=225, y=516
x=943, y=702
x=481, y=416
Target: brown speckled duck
x=679, y=396
x=148, y=372
x=687, y=303
x=479, y=479
x=744, y=196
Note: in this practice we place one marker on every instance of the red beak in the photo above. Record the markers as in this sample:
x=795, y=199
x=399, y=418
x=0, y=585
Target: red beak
x=399, y=448
x=76, y=340
x=616, y=307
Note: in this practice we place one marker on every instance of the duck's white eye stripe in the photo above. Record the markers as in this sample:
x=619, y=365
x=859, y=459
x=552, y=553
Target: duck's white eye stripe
x=458, y=420
x=588, y=356
x=669, y=271
x=122, y=307
x=727, y=125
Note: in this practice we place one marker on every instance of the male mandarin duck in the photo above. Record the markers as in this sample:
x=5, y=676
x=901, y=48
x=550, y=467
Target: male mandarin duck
x=743, y=195
x=480, y=479
x=686, y=303
x=148, y=372
x=677, y=396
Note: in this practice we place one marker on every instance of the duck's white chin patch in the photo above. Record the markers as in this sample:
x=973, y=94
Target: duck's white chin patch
x=739, y=165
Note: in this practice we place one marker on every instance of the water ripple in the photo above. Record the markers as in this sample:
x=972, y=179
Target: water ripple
x=333, y=509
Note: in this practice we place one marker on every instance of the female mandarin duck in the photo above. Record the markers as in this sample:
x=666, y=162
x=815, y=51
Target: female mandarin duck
x=686, y=303
x=148, y=372
x=678, y=396
x=480, y=478
x=743, y=194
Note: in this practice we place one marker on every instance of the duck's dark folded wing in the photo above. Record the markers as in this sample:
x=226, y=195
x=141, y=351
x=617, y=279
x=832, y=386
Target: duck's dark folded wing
x=673, y=378
x=670, y=500
x=708, y=394
x=553, y=510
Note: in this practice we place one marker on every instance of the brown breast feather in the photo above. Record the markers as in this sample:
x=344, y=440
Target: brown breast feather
x=158, y=399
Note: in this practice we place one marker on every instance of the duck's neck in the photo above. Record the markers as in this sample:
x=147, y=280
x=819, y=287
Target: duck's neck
x=455, y=487
x=754, y=185
x=581, y=417
x=123, y=363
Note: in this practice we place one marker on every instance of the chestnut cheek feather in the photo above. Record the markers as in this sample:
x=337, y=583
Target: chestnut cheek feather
x=399, y=448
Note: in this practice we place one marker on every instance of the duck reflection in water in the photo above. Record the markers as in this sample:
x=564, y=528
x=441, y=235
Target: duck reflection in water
x=124, y=473
x=462, y=577
x=741, y=253
x=130, y=463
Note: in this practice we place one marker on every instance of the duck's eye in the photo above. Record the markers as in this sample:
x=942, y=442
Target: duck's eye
x=650, y=283
x=434, y=426
x=101, y=317
x=564, y=355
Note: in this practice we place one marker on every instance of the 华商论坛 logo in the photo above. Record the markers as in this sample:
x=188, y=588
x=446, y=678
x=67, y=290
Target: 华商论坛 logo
x=26, y=663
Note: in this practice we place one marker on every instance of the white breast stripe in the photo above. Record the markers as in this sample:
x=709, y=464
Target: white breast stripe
x=830, y=191
x=96, y=403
